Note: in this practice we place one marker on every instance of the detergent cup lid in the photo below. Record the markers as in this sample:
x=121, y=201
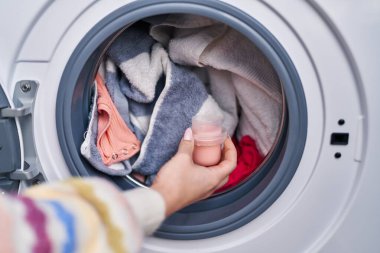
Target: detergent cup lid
x=208, y=131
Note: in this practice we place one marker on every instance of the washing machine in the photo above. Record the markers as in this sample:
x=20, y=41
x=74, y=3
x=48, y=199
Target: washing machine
x=317, y=192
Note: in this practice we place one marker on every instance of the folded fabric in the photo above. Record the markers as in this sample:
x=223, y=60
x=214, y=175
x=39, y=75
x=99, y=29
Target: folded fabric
x=89, y=148
x=233, y=60
x=115, y=141
x=162, y=96
x=248, y=161
x=135, y=114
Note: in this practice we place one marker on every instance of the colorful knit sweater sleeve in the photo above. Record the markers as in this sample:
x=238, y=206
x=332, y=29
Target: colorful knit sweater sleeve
x=78, y=215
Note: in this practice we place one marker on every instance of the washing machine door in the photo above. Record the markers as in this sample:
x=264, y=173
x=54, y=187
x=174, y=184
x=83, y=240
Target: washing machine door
x=14, y=168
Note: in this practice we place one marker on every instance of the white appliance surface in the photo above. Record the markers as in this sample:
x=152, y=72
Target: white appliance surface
x=331, y=205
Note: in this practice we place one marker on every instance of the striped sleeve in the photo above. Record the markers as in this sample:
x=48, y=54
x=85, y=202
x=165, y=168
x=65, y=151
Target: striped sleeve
x=148, y=207
x=78, y=215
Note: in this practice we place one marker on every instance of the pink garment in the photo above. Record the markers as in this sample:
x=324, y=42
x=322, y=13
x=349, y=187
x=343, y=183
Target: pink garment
x=115, y=141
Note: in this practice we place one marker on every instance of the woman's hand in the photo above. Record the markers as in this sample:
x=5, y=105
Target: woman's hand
x=181, y=182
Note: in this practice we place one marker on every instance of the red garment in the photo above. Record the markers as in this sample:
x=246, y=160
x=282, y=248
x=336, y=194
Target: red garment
x=248, y=160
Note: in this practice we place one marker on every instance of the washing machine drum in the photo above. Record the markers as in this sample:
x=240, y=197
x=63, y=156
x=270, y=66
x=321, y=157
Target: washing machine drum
x=220, y=213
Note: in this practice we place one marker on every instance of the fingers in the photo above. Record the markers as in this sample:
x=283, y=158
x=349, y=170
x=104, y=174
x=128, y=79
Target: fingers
x=224, y=181
x=229, y=152
x=186, y=145
x=225, y=167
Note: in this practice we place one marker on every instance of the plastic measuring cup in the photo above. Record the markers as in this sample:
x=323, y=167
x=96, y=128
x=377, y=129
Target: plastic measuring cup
x=209, y=136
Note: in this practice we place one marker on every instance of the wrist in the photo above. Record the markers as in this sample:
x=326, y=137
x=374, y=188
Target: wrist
x=171, y=201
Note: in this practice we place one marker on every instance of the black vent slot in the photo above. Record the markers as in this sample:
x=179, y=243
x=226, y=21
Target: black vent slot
x=339, y=138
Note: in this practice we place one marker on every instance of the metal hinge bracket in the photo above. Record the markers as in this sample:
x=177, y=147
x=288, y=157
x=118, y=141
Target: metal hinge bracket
x=27, y=174
x=15, y=112
x=23, y=99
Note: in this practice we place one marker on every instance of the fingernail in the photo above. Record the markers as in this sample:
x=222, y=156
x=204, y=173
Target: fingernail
x=188, y=136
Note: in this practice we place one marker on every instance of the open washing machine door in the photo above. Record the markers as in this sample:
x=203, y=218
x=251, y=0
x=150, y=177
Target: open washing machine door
x=16, y=164
x=324, y=167
x=10, y=155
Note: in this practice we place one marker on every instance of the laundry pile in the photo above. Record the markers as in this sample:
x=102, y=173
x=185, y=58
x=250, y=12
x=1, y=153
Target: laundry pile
x=160, y=73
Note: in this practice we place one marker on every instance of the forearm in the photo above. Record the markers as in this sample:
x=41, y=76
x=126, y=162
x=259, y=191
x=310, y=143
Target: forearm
x=79, y=216
x=148, y=207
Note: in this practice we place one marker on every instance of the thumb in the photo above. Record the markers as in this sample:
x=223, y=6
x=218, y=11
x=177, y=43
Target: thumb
x=186, y=145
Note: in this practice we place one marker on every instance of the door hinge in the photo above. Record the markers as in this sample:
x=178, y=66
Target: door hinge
x=15, y=112
x=28, y=173
x=23, y=99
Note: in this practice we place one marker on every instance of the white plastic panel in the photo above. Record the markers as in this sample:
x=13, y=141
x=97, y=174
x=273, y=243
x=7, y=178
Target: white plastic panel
x=17, y=18
x=359, y=227
x=47, y=32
